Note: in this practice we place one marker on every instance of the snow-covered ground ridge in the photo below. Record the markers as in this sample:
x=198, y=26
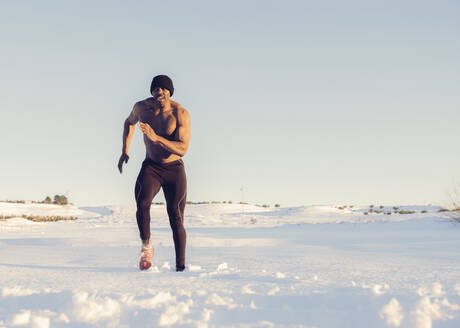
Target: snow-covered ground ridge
x=247, y=266
x=237, y=215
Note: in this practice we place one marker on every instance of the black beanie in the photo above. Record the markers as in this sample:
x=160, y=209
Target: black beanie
x=162, y=81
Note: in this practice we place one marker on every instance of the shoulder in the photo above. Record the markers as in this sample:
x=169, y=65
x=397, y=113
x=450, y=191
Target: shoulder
x=180, y=112
x=142, y=105
x=136, y=112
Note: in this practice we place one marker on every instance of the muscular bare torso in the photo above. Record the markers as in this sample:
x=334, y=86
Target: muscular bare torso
x=164, y=124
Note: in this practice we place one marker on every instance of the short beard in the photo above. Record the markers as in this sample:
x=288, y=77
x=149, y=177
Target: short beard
x=163, y=102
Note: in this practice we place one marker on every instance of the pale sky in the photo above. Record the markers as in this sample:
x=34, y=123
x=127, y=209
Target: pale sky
x=298, y=102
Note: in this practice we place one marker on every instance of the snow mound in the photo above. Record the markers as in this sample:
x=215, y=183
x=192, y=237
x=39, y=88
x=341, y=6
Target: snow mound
x=8, y=209
x=392, y=313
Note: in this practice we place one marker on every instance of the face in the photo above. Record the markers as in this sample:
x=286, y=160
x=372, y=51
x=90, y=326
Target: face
x=161, y=94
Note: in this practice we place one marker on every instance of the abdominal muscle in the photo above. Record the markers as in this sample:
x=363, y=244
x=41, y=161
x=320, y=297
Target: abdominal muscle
x=157, y=153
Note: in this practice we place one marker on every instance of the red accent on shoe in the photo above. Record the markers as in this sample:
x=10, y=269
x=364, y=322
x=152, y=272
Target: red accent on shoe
x=146, y=258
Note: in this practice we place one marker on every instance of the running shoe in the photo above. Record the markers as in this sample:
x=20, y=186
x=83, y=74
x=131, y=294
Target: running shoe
x=146, y=258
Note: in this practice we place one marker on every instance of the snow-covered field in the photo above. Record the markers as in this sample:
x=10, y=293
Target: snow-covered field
x=312, y=266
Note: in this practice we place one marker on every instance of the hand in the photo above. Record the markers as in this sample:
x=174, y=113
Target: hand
x=123, y=158
x=148, y=131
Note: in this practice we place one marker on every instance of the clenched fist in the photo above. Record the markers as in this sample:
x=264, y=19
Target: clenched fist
x=148, y=131
x=123, y=159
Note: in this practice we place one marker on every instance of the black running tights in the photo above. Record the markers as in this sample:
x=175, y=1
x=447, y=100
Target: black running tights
x=171, y=177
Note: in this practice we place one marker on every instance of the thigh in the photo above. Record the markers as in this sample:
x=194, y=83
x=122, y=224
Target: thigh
x=175, y=190
x=148, y=184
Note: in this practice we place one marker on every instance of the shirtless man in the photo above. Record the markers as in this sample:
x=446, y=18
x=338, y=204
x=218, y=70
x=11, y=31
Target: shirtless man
x=166, y=127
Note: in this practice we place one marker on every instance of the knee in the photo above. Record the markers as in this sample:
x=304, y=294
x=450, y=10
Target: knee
x=173, y=211
x=175, y=219
x=143, y=205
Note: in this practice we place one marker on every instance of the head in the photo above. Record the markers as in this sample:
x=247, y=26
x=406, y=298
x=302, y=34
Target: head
x=161, y=88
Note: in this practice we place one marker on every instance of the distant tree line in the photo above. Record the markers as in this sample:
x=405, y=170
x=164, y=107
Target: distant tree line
x=58, y=199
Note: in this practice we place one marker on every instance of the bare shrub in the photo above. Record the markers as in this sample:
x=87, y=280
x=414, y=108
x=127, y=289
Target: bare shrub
x=37, y=218
x=53, y=218
x=406, y=212
x=455, y=198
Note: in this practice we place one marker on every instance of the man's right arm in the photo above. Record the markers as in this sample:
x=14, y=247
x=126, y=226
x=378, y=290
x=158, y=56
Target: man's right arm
x=128, y=131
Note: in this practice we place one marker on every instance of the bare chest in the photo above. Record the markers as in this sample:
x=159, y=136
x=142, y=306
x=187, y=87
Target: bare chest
x=163, y=124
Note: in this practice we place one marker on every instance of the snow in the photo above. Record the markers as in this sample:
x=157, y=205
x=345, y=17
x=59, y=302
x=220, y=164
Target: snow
x=43, y=210
x=247, y=266
x=392, y=313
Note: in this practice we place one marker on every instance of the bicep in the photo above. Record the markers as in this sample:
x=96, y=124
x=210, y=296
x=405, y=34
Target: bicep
x=183, y=129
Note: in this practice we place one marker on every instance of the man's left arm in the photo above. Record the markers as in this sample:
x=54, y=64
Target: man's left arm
x=178, y=146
